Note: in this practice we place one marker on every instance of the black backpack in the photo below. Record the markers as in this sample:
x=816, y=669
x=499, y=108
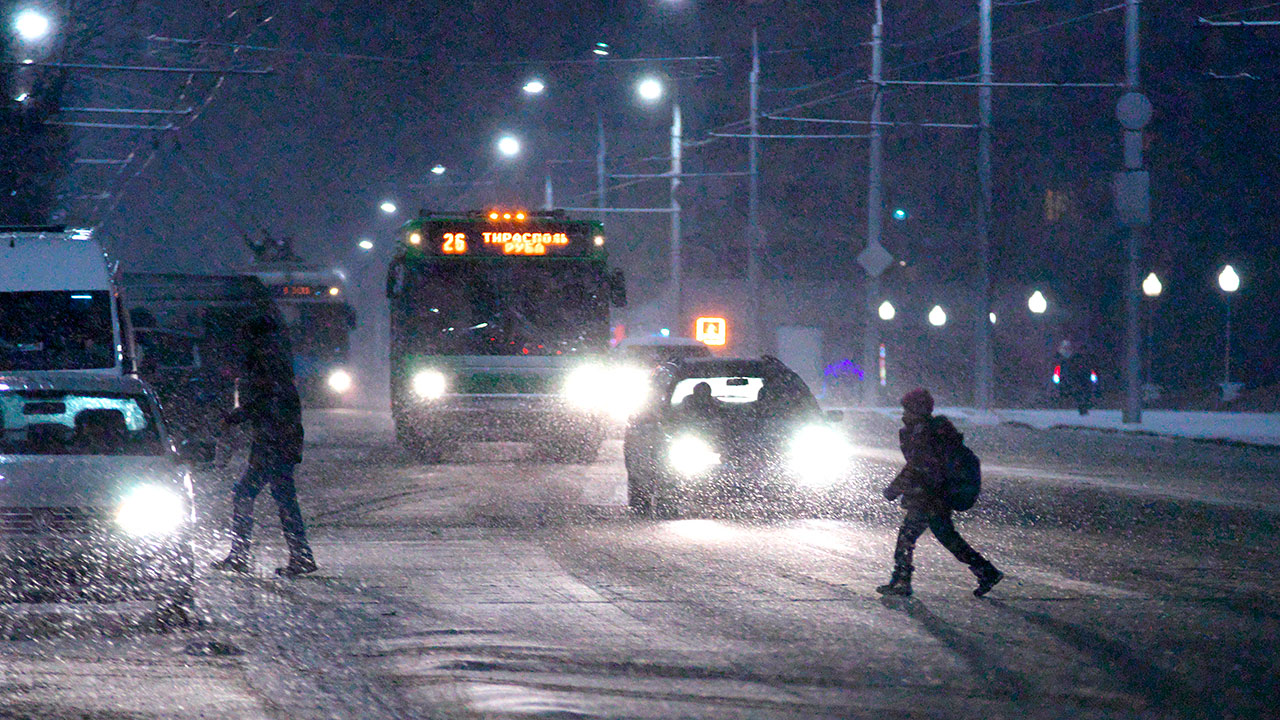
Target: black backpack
x=962, y=476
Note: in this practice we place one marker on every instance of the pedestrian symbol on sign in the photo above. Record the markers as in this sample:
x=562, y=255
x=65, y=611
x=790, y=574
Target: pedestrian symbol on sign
x=711, y=330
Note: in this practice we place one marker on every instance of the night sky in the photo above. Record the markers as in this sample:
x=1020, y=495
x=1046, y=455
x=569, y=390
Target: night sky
x=311, y=149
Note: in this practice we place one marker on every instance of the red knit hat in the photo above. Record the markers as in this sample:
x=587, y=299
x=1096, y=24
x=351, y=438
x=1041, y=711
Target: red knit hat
x=918, y=402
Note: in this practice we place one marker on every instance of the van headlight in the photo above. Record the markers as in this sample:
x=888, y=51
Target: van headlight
x=150, y=511
x=619, y=390
x=819, y=455
x=340, y=381
x=430, y=384
x=691, y=455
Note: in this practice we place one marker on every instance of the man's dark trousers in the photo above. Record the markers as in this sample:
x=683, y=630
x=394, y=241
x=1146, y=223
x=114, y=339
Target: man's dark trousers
x=914, y=525
x=267, y=468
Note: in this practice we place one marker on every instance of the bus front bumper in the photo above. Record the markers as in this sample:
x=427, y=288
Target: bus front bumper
x=489, y=418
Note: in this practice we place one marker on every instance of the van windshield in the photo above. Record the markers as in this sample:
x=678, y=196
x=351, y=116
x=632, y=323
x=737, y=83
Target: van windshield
x=52, y=422
x=56, y=330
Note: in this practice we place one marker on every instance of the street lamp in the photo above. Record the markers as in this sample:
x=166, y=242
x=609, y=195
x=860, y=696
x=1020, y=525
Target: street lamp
x=438, y=170
x=937, y=316
x=651, y=89
x=887, y=311
x=388, y=207
x=1229, y=281
x=1151, y=287
x=509, y=146
x=366, y=244
x=534, y=87
x=1037, y=303
x=31, y=25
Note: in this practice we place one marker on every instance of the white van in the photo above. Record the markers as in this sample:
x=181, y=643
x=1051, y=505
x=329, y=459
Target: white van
x=60, y=304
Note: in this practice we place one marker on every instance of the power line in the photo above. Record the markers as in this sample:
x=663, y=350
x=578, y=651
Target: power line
x=140, y=68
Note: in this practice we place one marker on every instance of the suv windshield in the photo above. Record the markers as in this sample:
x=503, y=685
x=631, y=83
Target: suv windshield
x=530, y=307
x=42, y=422
x=56, y=330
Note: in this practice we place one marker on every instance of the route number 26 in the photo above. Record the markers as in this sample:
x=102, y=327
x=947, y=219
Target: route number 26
x=454, y=243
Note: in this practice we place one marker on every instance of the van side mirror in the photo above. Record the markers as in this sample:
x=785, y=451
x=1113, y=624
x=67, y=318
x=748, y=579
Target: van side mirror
x=617, y=289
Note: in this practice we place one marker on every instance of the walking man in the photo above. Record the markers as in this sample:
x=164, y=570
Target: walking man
x=925, y=440
x=275, y=413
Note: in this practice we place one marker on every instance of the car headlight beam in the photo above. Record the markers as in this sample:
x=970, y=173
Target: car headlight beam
x=150, y=511
x=819, y=455
x=430, y=384
x=691, y=455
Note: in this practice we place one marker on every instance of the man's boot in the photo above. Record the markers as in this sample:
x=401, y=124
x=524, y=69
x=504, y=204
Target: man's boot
x=899, y=584
x=987, y=579
x=235, y=562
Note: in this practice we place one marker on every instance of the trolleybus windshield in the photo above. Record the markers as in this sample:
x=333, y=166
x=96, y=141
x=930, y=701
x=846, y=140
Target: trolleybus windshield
x=531, y=307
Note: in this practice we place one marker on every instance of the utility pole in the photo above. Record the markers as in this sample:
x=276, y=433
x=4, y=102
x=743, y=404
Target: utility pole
x=677, y=267
x=985, y=375
x=872, y=258
x=1133, y=206
x=755, y=237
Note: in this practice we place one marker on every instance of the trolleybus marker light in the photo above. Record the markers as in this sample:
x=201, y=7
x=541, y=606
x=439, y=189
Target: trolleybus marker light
x=334, y=291
x=493, y=216
x=415, y=239
x=599, y=241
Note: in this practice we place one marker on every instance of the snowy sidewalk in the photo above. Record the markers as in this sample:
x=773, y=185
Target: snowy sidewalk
x=1251, y=428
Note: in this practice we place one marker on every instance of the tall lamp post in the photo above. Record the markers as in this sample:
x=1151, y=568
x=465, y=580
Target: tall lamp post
x=1151, y=287
x=1229, y=281
x=651, y=90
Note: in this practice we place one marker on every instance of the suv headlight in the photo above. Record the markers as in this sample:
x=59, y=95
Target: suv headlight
x=340, y=381
x=819, y=455
x=151, y=510
x=430, y=384
x=691, y=455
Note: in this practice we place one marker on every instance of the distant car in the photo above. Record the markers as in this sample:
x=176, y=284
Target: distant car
x=654, y=351
x=95, y=502
x=730, y=429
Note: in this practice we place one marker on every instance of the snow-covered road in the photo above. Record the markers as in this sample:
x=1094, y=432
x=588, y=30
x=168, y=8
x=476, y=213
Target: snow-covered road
x=499, y=586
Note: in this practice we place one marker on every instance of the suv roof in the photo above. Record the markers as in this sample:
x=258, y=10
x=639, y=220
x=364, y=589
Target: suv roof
x=724, y=367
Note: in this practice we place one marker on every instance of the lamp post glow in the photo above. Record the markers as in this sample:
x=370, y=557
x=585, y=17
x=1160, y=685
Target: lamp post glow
x=649, y=90
x=1229, y=281
x=937, y=316
x=31, y=25
x=534, y=87
x=438, y=170
x=887, y=311
x=388, y=207
x=1152, y=287
x=366, y=244
x=1037, y=303
x=509, y=146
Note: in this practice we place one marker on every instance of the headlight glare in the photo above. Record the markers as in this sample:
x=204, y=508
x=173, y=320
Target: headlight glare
x=691, y=455
x=430, y=384
x=819, y=455
x=151, y=510
x=586, y=387
x=340, y=381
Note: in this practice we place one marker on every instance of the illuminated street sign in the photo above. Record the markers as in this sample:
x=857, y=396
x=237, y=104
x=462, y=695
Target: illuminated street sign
x=711, y=330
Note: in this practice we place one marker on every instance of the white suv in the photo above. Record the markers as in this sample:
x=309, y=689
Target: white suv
x=95, y=502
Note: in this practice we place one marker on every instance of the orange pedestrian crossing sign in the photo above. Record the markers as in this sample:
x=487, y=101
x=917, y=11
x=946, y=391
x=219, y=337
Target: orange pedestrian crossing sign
x=711, y=330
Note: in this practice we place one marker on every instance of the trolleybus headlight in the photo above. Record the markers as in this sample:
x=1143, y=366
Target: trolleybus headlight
x=150, y=511
x=586, y=387
x=340, y=381
x=430, y=384
x=691, y=455
x=819, y=455
x=627, y=392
